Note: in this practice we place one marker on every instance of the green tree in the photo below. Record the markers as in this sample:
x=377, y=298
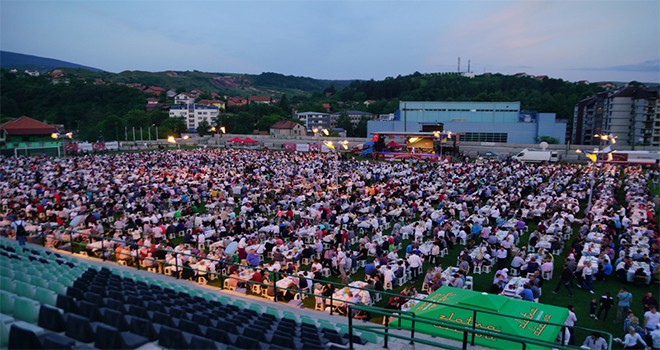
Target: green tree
x=172, y=126
x=203, y=128
x=344, y=122
x=549, y=139
x=361, y=128
x=267, y=121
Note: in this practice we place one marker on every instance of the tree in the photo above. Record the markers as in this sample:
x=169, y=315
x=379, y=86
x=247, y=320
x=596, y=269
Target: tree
x=267, y=121
x=361, y=128
x=203, y=127
x=549, y=139
x=284, y=104
x=173, y=126
x=344, y=122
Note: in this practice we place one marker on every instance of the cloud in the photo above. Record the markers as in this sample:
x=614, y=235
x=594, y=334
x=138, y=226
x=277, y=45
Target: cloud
x=646, y=66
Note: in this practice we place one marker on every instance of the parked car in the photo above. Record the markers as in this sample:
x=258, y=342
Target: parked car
x=489, y=154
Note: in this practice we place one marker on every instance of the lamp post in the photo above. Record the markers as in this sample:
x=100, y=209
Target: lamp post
x=604, y=149
x=442, y=136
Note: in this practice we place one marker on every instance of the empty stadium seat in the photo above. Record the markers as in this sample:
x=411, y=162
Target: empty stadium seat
x=79, y=328
x=23, y=335
x=26, y=309
x=51, y=318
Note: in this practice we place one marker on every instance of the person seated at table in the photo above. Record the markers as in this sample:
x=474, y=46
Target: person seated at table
x=292, y=289
x=257, y=277
x=428, y=278
x=363, y=253
x=202, y=269
x=327, y=291
x=393, y=255
x=457, y=281
x=252, y=258
x=518, y=261
x=233, y=279
x=187, y=272
x=622, y=269
x=497, y=288
x=604, y=270
x=532, y=266
x=640, y=276
x=526, y=293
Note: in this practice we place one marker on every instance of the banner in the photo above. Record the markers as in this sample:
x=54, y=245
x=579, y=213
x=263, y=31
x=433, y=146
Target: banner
x=303, y=147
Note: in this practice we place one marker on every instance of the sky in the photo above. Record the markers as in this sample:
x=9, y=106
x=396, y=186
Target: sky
x=594, y=40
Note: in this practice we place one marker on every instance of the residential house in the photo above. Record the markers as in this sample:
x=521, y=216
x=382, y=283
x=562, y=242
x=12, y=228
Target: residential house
x=287, y=128
x=194, y=114
x=236, y=102
x=259, y=99
x=326, y=107
x=154, y=90
x=171, y=93
x=154, y=104
x=27, y=136
x=218, y=103
x=32, y=72
x=197, y=93
x=184, y=98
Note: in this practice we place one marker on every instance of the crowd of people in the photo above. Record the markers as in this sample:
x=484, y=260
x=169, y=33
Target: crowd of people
x=250, y=213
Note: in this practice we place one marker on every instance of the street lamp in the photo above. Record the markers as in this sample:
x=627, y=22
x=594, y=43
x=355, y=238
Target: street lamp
x=443, y=137
x=603, y=150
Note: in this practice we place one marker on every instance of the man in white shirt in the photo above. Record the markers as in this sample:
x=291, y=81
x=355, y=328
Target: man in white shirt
x=388, y=275
x=651, y=318
x=570, y=322
x=415, y=262
x=655, y=337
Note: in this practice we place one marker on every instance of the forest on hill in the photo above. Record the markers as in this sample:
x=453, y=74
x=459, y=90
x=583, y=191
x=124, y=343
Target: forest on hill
x=106, y=111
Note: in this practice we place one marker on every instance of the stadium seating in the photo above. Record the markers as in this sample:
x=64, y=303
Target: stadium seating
x=61, y=302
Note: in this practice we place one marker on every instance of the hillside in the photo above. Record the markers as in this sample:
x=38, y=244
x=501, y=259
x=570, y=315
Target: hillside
x=10, y=60
x=222, y=83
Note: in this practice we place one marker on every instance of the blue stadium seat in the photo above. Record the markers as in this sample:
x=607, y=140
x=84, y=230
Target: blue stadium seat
x=22, y=336
x=79, y=328
x=88, y=310
x=51, y=318
x=201, y=343
x=219, y=335
x=114, y=318
x=56, y=341
x=144, y=327
x=171, y=338
x=244, y=342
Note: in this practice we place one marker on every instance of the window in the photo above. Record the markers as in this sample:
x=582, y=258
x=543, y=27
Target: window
x=485, y=137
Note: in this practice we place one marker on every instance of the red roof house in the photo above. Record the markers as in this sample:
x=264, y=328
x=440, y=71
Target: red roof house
x=27, y=126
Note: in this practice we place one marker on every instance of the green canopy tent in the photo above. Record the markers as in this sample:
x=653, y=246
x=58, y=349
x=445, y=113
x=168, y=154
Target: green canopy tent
x=457, y=308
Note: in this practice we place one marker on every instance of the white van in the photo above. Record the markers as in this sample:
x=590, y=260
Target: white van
x=532, y=155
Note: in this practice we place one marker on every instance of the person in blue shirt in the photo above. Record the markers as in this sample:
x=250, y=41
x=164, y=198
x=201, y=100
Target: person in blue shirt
x=370, y=269
x=252, y=258
x=527, y=293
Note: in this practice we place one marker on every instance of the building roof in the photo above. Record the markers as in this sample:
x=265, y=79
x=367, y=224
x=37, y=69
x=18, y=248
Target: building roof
x=259, y=98
x=27, y=126
x=284, y=124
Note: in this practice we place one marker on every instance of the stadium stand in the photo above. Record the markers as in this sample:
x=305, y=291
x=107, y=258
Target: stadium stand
x=50, y=300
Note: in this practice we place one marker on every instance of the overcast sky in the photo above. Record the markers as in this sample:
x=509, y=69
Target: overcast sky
x=359, y=39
